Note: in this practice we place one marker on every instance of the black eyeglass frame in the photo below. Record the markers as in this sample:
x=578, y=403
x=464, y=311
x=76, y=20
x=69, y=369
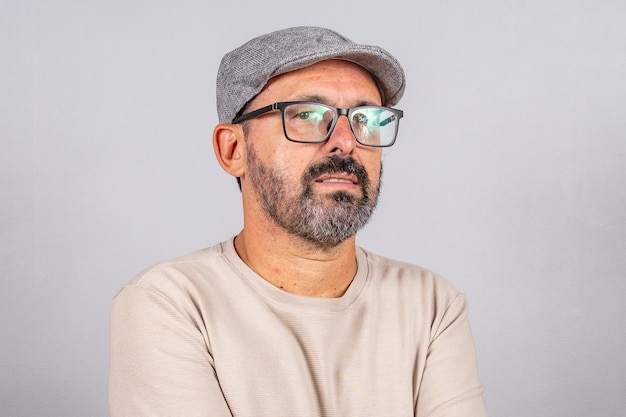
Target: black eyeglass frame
x=281, y=105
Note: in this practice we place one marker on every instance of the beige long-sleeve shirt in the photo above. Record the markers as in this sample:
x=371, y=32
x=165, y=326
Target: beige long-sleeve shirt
x=204, y=336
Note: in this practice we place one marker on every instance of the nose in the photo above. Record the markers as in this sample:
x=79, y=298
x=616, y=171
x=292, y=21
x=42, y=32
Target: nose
x=341, y=140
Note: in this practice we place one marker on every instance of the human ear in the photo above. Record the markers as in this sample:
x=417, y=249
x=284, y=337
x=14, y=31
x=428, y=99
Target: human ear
x=229, y=147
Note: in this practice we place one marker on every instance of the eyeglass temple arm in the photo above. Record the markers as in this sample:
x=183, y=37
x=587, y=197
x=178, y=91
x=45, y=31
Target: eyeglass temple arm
x=256, y=113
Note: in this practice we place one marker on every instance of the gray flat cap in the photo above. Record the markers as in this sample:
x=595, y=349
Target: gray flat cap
x=244, y=71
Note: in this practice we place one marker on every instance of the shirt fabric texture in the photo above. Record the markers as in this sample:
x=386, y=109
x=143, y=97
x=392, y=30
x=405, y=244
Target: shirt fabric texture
x=205, y=336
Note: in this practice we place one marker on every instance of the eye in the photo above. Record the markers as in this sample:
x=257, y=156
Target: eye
x=303, y=112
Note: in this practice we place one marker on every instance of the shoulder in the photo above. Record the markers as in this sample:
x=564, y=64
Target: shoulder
x=182, y=277
x=392, y=269
x=409, y=280
x=189, y=267
x=428, y=302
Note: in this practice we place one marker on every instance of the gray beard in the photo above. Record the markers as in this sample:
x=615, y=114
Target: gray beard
x=322, y=220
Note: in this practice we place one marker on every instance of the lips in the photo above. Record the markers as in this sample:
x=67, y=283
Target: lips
x=342, y=177
x=338, y=170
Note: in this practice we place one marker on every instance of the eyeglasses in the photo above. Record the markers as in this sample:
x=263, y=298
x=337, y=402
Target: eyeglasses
x=310, y=122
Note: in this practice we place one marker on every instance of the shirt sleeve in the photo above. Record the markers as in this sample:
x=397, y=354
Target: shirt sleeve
x=450, y=386
x=160, y=363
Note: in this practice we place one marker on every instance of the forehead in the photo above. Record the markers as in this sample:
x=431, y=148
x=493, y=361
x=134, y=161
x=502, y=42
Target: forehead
x=333, y=80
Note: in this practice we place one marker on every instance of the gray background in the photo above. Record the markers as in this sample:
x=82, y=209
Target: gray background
x=509, y=177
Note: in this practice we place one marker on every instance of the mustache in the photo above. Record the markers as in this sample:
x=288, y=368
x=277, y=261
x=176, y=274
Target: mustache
x=337, y=164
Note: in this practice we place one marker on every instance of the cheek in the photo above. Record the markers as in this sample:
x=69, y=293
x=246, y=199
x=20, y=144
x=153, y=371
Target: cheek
x=289, y=164
x=292, y=158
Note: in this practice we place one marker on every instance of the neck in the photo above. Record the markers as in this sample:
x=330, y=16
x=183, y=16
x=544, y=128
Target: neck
x=296, y=265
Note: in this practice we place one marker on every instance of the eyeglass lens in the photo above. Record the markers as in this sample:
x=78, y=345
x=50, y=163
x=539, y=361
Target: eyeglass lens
x=311, y=122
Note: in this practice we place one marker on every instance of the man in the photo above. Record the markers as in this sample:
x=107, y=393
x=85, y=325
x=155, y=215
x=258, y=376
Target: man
x=290, y=317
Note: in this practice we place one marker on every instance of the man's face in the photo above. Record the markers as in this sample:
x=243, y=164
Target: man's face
x=323, y=193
